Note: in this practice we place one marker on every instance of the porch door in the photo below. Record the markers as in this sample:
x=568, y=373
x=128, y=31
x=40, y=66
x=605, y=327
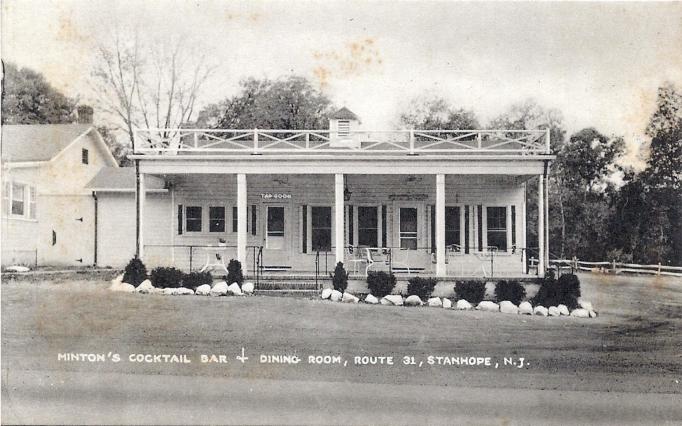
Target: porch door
x=274, y=232
x=407, y=227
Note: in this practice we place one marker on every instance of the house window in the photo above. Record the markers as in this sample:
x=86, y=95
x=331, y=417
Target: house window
x=497, y=227
x=235, y=219
x=368, y=226
x=452, y=217
x=321, y=228
x=344, y=128
x=408, y=228
x=18, y=199
x=193, y=218
x=216, y=219
x=84, y=156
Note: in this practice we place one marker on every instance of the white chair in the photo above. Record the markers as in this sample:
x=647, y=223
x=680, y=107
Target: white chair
x=354, y=256
x=218, y=258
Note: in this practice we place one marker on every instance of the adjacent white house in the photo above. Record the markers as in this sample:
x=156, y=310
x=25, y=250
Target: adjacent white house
x=47, y=213
x=436, y=202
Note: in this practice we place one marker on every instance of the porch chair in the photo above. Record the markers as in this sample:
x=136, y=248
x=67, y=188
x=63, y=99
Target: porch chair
x=354, y=256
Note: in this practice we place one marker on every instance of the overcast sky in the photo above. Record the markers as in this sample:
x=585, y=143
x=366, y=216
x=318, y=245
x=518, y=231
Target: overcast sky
x=599, y=63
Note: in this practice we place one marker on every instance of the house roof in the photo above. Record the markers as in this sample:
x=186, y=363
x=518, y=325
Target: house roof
x=38, y=142
x=121, y=179
x=344, y=114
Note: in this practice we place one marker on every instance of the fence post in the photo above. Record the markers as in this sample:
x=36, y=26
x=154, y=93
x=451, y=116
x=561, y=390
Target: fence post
x=613, y=265
x=659, y=269
x=412, y=141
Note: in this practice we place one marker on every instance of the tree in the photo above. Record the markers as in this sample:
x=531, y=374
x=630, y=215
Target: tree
x=435, y=113
x=29, y=99
x=286, y=103
x=582, y=187
x=529, y=115
x=647, y=219
x=145, y=83
x=118, y=150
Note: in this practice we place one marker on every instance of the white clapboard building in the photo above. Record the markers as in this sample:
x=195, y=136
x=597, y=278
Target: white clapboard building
x=48, y=214
x=433, y=202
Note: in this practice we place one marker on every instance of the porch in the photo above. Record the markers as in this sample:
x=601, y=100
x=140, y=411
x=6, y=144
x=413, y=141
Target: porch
x=436, y=202
x=388, y=223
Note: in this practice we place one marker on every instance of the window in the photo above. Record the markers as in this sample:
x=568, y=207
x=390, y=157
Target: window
x=19, y=200
x=368, y=226
x=497, y=227
x=216, y=219
x=235, y=219
x=18, y=196
x=408, y=228
x=84, y=156
x=321, y=228
x=193, y=219
x=344, y=128
x=452, y=227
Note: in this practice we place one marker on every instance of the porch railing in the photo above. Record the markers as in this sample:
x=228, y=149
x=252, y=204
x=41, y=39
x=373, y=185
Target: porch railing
x=421, y=260
x=411, y=142
x=193, y=257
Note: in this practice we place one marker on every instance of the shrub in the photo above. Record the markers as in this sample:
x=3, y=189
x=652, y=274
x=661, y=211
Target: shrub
x=380, y=283
x=554, y=292
x=471, y=291
x=195, y=279
x=135, y=272
x=512, y=291
x=234, y=273
x=422, y=287
x=166, y=277
x=340, y=278
x=569, y=285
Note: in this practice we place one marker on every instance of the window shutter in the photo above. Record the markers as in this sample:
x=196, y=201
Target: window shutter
x=32, y=202
x=479, y=217
x=384, y=233
x=179, y=219
x=513, y=226
x=5, y=198
x=466, y=229
x=350, y=226
x=304, y=229
x=254, y=217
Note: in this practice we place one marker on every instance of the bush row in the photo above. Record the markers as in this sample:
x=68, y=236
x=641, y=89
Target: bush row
x=552, y=292
x=164, y=277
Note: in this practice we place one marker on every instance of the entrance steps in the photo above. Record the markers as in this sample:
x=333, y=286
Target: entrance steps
x=289, y=283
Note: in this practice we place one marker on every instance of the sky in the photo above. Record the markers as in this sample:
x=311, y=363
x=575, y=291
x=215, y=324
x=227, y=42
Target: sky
x=599, y=63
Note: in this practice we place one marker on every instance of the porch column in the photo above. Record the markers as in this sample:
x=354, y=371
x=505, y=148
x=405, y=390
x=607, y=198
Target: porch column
x=338, y=217
x=140, y=199
x=241, y=219
x=541, y=226
x=441, y=269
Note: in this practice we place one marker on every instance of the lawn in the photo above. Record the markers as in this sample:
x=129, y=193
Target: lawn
x=634, y=345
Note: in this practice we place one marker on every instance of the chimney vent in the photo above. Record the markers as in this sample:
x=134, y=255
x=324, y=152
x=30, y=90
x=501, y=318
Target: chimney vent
x=85, y=114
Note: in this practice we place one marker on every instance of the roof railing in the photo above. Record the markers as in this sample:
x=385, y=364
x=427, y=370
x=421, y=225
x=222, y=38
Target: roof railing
x=411, y=142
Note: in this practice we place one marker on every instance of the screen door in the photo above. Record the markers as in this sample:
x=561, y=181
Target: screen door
x=275, y=228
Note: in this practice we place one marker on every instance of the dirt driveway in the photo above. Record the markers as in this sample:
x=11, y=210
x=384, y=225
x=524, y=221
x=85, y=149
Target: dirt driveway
x=634, y=346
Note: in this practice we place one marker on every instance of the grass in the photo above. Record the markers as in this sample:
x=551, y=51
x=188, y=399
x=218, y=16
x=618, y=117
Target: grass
x=634, y=343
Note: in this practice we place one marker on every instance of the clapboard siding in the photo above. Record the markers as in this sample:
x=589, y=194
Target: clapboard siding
x=116, y=228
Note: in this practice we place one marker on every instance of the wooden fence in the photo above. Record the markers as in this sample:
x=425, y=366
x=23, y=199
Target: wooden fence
x=612, y=267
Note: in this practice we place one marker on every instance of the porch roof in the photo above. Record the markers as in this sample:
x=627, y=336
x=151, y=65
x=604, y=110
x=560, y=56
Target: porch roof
x=122, y=179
